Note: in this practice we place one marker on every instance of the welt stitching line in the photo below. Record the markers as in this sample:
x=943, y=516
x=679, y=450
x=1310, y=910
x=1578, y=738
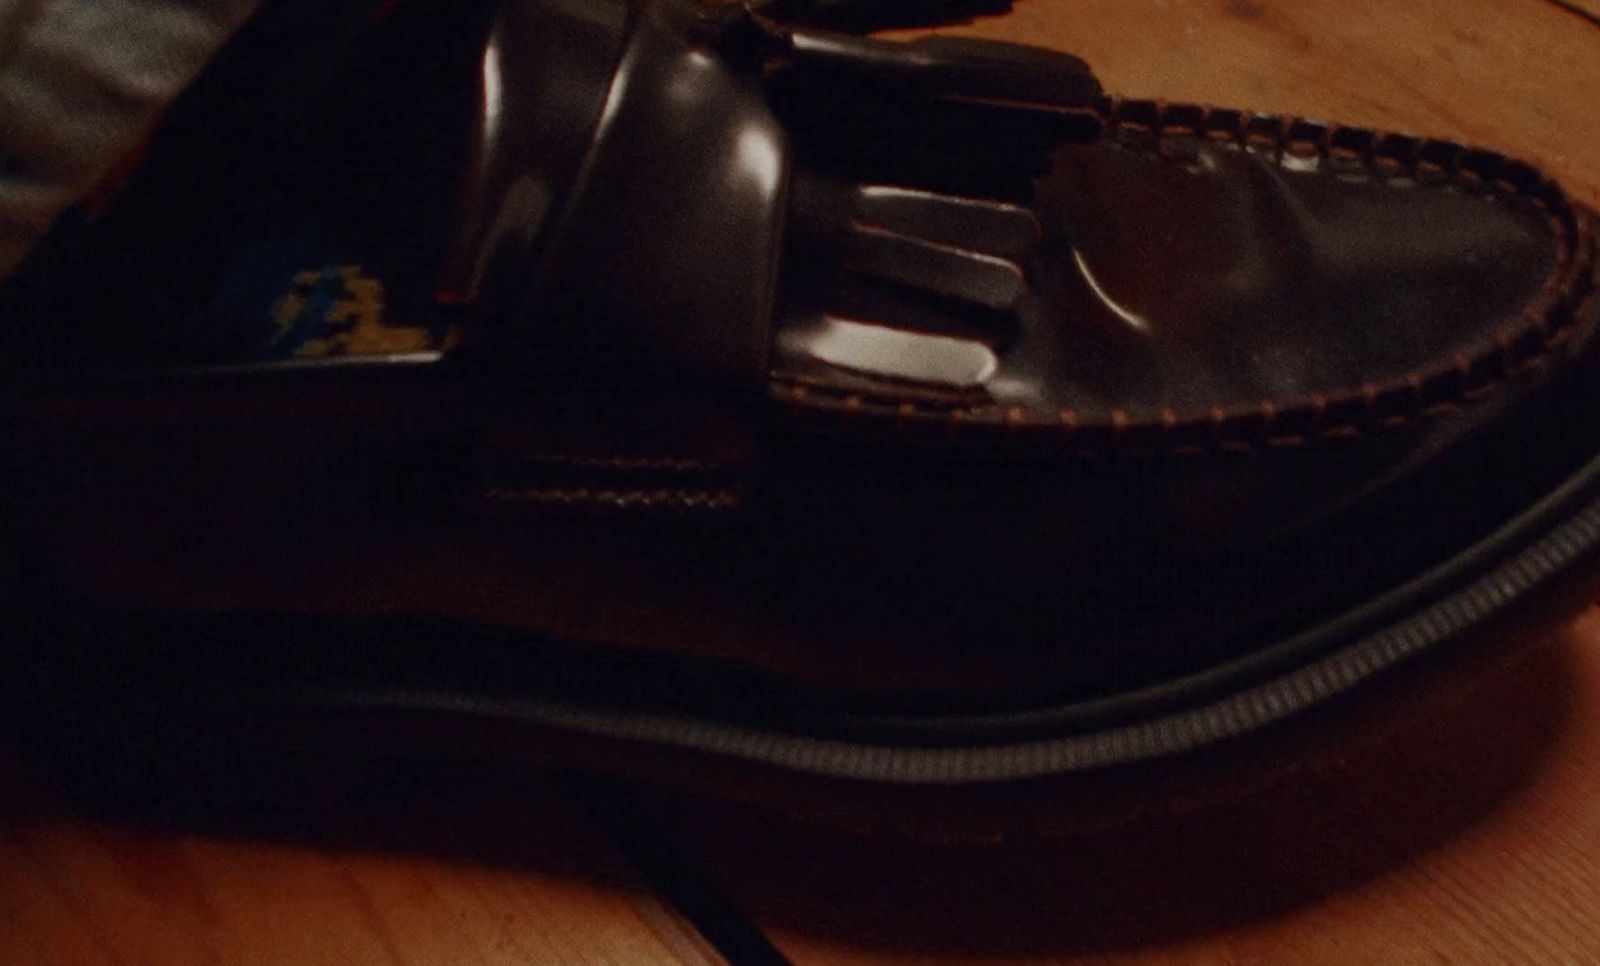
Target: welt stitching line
x=617, y=499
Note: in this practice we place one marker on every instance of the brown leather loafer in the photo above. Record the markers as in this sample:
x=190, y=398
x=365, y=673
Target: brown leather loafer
x=638, y=376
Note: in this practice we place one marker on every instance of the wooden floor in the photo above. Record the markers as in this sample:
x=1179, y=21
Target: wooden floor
x=1467, y=832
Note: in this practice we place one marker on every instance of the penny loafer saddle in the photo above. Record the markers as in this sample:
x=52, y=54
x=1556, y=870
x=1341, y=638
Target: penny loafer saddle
x=723, y=380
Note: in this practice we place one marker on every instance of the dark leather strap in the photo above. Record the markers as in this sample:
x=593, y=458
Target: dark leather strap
x=624, y=217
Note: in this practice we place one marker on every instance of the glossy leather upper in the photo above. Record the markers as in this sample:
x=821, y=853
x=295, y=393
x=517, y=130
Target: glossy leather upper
x=546, y=75
x=1051, y=386
x=614, y=181
x=1226, y=276
x=1180, y=274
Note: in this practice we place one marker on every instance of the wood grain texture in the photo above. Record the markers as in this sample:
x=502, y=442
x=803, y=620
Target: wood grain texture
x=1520, y=76
x=1468, y=834
x=431, y=872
